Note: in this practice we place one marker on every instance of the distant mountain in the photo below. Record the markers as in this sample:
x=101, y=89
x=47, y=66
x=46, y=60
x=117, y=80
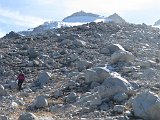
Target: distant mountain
x=75, y=19
x=157, y=23
x=82, y=17
x=116, y=18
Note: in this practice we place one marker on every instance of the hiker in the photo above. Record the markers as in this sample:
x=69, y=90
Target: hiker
x=20, y=78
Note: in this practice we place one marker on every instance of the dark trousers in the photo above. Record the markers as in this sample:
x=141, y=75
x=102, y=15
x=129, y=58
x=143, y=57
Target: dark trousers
x=20, y=82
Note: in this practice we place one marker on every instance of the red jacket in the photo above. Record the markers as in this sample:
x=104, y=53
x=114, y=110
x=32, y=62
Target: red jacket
x=21, y=77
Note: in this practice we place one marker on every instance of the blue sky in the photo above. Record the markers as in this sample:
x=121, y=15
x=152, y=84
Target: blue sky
x=17, y=15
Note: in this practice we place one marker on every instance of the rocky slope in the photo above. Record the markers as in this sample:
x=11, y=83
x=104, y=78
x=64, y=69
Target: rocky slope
x=97, y=70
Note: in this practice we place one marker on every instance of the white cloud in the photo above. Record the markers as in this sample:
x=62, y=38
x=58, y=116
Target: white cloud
x=16, y=18
x=1, y=33
x=109, y=6
x=43, y=2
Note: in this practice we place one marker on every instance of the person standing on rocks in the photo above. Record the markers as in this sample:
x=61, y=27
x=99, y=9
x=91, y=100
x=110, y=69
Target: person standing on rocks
x=20, y=78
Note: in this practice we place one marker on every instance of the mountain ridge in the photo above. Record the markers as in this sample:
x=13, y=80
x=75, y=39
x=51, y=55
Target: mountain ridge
x=77, y=18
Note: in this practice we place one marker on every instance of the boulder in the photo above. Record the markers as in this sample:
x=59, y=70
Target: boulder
x=44, y=77
x=122, y=56
x=27, y=116
x=146, y=105
x=96, y=75
x=41, y=102
x=114, y=85
x=71, y=97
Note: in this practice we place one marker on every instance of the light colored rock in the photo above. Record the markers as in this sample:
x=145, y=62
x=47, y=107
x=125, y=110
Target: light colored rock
x=119, y=97
x=122, y=56
x=27, y=116
x=146, y=105
x=97, y=74
x=41, y=102
x=114, y=85
x=71, y=97
x=118, y=108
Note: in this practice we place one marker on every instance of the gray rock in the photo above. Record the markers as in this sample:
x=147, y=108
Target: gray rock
x=146, y=105
x=41, y=102
x=27, y=116
x=44, y=77
x=71, y=97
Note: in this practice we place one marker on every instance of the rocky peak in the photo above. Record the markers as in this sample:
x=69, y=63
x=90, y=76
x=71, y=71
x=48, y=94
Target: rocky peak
x=81, y=13
x=157, y=23
x=116, y=18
